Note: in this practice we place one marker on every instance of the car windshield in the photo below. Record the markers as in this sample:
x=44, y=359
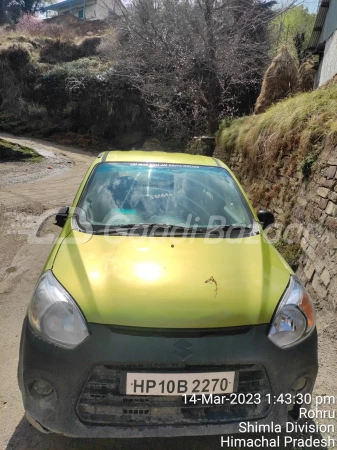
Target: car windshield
x=118, y=194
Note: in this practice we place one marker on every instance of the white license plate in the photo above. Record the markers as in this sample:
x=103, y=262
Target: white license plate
x=180, y=383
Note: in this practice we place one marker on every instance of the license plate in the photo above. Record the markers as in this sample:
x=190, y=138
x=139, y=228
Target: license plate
x=180, y=383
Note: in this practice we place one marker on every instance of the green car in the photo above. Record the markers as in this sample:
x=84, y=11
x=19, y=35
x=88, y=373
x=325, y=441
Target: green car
x=163, y=310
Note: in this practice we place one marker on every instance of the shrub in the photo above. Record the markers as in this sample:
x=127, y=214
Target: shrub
x=16, y=56
x=36, y=112
x=55, y=51
x=60, y=50
x=16, y=75
x=59, y=31
x=107, y=47
x=307, y=163
x=290, y=252
x=92, y=98
x=306, y=76
x=89, y=45
x=294, y=128
x=29, y=24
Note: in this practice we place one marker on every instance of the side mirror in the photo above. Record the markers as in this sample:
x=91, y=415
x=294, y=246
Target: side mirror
x=62, y=216
x=266, y=218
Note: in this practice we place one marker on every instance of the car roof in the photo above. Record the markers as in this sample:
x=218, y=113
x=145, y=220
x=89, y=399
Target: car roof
x=158, y=157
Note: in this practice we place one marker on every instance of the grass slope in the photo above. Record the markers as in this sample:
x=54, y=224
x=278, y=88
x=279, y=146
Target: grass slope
x=15, y=152
x=284, y=141
x=296, y=127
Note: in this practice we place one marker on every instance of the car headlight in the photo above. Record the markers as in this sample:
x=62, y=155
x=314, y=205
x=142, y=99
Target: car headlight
x=295, y=316
x=54, y=314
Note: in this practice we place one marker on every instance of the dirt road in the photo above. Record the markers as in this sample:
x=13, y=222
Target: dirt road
x=24, y=197
x=28, y=194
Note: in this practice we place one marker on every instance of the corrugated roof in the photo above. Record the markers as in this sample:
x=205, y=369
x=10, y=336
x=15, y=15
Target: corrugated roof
x=318, y=26
x=59, y=5
x=66, y=3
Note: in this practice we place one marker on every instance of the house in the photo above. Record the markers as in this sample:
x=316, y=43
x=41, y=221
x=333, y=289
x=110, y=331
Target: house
x=323, y=41
x=87, y=9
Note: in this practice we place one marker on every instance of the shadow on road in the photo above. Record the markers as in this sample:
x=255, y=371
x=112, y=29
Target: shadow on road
x=26, y=437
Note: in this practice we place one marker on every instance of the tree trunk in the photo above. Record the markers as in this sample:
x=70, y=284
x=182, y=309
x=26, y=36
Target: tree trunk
x=212, y=88
x=3, y=16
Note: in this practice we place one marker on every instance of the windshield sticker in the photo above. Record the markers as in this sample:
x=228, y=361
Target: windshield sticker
x=152, y=197
x=165, y=165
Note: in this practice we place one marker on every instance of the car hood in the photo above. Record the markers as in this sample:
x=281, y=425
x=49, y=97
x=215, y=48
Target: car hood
x=172, y=282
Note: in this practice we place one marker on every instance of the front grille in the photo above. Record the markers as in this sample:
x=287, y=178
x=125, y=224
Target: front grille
x=102, y=401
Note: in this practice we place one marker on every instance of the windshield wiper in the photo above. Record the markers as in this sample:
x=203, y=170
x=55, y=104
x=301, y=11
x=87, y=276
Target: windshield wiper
x=125, y=228
x=116, y=229
x=235, y=227
x=178, y=229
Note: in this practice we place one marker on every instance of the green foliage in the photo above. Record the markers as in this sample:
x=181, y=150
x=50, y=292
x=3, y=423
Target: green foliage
x=225, y=123
x=297, y=124
x=291, y=252
x=53, y=82
x=273, y=144
x=56, y=51
x=15, y=152
x=17, y=73
x=84, y=67
x=36, y=112
x=307, y=164
x=285, y=27
x=89, y=96
x=226, y=136
x=199, y=146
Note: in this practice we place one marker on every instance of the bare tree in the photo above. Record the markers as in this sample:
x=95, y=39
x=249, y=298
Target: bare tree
x=11, y=10
x=193, y=60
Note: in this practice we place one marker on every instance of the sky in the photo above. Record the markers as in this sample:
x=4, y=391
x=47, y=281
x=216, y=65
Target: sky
x=312, y=5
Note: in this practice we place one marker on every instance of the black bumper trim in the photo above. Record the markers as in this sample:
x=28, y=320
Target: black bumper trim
x=103, y=400
x=69, y=370
x=177, y=332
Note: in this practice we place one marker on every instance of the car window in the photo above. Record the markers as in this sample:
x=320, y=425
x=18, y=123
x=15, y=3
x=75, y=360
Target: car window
x=133, y=193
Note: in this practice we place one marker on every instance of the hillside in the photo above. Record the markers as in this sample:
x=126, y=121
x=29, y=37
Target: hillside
x=286, y=159
x=54, y=84
x=291, y=133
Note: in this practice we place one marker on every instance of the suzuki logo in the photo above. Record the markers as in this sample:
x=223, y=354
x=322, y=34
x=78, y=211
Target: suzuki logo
x=183, y=349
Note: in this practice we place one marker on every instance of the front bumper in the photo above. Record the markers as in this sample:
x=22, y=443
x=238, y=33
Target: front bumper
x=87, y=398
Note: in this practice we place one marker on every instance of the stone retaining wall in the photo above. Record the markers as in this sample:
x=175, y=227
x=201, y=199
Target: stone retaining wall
x=307, y=207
